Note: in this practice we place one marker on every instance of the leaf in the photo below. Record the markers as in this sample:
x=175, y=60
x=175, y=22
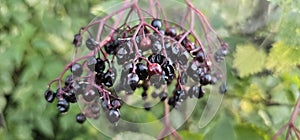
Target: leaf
x=2, y=103
x=103, y=7
x=132, y=136
x=250, y=132
x=282, y=57
x=190, y=136
x=223, y=130
x=248, y=60
x=289, y=31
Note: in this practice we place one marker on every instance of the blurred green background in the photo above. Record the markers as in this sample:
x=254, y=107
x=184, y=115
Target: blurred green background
x=262, y=74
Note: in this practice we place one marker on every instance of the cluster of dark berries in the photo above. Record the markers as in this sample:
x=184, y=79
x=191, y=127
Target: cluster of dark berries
x=133, y=57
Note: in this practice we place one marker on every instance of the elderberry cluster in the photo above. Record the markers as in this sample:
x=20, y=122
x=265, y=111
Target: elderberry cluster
x=133, y=57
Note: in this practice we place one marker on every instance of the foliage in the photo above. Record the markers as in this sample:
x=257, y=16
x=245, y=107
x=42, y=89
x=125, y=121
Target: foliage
x=263, y=79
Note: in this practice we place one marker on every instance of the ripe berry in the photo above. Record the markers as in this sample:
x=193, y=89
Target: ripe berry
x=90, y=95
x=169, y=71
x=206, y=79
x=182, y=59
x=192, y=71
x=144, y=95
x=223, y=88
x=70, y=96
x=49, y=95
x=183, y=78
x=90, y=43
x=156, y=46
x=100, y=65
x=113, y=115
x=200, y=56
x=154, y=95
x=80, y=118
x=133, y=80
x=163, y=96
x=116, y=104
x=104, y=105
x=68, y=80
x=147, y=106
x=112, y=46
x=156, y=23
x=142, y=71
x=156, y=58
x=122, y=55
x=109, y=78
x=171, y=32
x=62, y=106
x=77, y=40
x=91, y=63
x=76, y=69
x=95, y=108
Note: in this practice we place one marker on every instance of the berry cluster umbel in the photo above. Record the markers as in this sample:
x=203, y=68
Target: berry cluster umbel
x=152, y=54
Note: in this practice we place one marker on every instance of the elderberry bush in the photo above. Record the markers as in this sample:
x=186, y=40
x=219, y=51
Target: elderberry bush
x=152, y=56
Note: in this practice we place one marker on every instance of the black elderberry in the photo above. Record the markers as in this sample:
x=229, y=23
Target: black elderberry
x=171, y=32
x=100, y=65
x=90, y=95
x=205, y=79
x=223, y=88
x=122, y=55
x=142, y=71
x=163, y=96
x=76, y=69
x=182, y=59
x=200, y=92
x=116, y=104
x=156, y=46
x=200, y=56
x=112, y=46
x=95, y=108
x=62, y=105
x=49, y=95
x=104, y=105
x=157, y=80
x=77, y=40
x=113, y=115
x=68, y=80
x=192, y=71
x=154, y=95
x=147, y=106
x=91, y=43
x=109, y=78
x=133, y=80
x=156, y=23
x=144, y=95
x=172, y=101
x=168, y=71
x=145, y=44
x=91, y=63
x=70, y=96
x=183, y=78
x=80, y=118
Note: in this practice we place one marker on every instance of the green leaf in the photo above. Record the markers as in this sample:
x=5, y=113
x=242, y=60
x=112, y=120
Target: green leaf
x=250, y=132
x=190, y=136
x=2, y=103
x=223, y=130
x=248, y=60
x=290, y=30
x=132, y=136
x=282, y=57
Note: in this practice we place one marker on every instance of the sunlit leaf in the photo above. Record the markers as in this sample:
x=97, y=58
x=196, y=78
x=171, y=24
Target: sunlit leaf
x=132, y=136
x=248, y=60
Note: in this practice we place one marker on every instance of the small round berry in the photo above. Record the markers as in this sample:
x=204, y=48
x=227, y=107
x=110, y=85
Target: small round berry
x=200, y=56
x=171, y=32
x=112, y=46
x=145, y=44
x=163, y=96
x=62, y=106
x=116, y=104
x=76, y=69
x=77, y=40
x=133, y=80
x=206, y=79
x=89, y=95
x=144, y=95
x=156, y=23
x=142, y=71
x=113, y=115
x=68, y=80
x=49, y=95
x=70, y=96
x=223, y=88
x=183, y=78
x=200, y=92
x=154, y=95
x=95, y=108
x=100, y=65
x=147, y=106
x=91, y=63
x=80, y=118
x=109, y=78
x=90, y=43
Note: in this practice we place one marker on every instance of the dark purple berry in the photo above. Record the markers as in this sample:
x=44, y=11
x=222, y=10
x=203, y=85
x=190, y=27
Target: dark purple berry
x=62, y=106
x=77, y=40
x=91, y=43
x=100, y=65
x=171, y=31
x=156, y=23
x=90, y=95
x=113, y=115
x=109, y=78
x=142, y=71
x=80, y=118
x=200, y=56
x=147, y=106
x=205, y=79
x=154, y=95
x=68, y=80
x=95, y=108
x=76, y=69
x=133, y=80
x=91, y=63
x=49, y=95
x=163, y=96
x=112, y=46
x=116, y=104
x=223, y=88
x=70, y=96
